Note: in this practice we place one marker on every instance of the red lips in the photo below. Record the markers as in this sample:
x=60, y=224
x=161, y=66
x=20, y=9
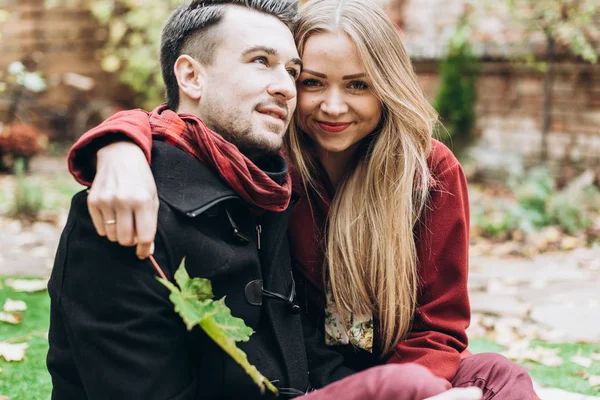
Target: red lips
x=334, y=126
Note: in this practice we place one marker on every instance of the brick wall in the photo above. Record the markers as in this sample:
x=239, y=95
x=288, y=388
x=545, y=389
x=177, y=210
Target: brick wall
x=60, y=40
x=510, y=106
x=510, y=98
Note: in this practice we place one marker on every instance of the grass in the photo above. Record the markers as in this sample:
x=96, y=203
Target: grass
x=27, y=379
x=567, y=377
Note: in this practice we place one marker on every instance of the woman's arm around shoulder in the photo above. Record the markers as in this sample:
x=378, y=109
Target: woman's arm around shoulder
x=114, y=159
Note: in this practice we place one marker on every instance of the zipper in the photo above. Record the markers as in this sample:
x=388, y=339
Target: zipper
x=258, y=233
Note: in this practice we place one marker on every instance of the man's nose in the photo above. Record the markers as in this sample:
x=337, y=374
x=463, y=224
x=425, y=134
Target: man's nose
x=283, y=85
x=333, y=103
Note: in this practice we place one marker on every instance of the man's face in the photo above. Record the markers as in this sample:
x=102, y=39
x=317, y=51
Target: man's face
x=249, y=94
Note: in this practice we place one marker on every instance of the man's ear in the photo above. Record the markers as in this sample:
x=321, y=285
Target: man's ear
x=190, y=74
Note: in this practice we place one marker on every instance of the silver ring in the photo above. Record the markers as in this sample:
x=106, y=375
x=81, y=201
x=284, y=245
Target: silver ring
x=110, y=222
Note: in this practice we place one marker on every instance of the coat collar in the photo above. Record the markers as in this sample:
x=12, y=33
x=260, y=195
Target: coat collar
x=185, y=183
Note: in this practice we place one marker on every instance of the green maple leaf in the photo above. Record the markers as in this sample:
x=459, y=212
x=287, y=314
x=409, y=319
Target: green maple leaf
x=194, y=302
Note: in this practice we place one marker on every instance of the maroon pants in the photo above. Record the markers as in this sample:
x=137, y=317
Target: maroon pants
x=496, y=376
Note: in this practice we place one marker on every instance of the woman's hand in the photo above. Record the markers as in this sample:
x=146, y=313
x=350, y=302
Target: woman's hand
x=470, y=393
x=123, y=202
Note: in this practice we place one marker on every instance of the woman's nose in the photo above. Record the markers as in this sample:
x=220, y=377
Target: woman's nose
x=334, y=104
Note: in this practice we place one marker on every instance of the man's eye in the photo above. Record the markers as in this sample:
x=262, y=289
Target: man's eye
x=358, y=85
x=261, y=60
x=311, y=82
x=293, y=73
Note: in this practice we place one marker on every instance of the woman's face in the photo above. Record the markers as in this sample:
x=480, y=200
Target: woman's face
x=336, y=107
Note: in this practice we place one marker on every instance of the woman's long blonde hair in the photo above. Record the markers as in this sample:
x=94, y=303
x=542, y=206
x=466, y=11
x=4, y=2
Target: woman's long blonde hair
x=371, y=259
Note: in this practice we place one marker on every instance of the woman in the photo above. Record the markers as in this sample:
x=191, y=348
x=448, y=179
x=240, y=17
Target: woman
x=380, y=228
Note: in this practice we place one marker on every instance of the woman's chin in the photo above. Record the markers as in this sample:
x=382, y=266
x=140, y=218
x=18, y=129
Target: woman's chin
x=335, y=148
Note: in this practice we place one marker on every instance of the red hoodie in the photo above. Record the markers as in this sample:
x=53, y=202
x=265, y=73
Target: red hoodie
x=438, y=335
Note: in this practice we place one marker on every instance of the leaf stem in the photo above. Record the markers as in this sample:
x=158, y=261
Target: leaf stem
x=157, y=267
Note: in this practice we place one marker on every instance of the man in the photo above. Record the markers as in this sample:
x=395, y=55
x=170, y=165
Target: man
x=114, y=333
x=223, y=206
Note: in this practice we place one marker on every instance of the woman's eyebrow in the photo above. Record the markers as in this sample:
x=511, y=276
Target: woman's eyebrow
x=346, y=77
x=361, y=75
x=320, y=75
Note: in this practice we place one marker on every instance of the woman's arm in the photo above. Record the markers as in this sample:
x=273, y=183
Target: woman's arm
x=438, y=335
x=114, y=159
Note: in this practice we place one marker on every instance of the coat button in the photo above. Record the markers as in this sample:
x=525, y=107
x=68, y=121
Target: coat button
x=253, y=292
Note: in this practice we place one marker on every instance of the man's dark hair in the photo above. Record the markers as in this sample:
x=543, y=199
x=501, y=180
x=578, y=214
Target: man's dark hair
x=192, y=29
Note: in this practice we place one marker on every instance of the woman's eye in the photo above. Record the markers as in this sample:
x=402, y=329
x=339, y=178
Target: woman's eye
x=311, y=82
x=261, y=60
x=358, y=85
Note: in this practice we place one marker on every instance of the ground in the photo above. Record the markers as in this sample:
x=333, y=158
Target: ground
x=543, y=311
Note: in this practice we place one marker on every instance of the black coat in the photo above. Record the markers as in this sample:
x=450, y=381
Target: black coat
x=114, y=333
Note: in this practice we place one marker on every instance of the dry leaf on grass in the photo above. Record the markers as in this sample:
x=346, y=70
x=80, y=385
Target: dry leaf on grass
x=13, y=351
x=505, y=333
x=27, y=285
x=11, y=318
x=594, y=380
x=583, y=361
x=14, y=305
x=520, y=351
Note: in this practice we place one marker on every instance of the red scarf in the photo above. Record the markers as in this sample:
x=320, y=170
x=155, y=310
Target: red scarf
x=190, y=134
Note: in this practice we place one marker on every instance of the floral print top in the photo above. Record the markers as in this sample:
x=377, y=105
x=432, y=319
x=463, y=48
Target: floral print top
x=356, y=330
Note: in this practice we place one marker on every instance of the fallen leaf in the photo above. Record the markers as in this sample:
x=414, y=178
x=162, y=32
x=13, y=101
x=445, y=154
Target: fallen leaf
x=27, y=285
x=582, y=374
x=583, y=361
x=14, y=305
x=542, y=355
x=11, y=318
x=594, y=380
x=504, y=334
x=13, y=351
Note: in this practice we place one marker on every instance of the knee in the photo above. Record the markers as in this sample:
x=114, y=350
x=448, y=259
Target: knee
x=495, y=366
x=413, y=381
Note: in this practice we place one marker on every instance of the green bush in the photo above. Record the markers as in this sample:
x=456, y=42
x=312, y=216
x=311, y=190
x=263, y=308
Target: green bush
x=132, y=49
x=539, y=204
x=28, y=195
x=572, y=207
x=457, y=95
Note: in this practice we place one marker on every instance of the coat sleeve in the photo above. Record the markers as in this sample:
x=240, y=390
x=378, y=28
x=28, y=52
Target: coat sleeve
x=130, y=125
x=438, y=335
x=114, y=333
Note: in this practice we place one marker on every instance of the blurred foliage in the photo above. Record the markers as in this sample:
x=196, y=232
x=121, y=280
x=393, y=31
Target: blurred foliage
x=28, y=196
x=20, y=76
x=4, y=16
x=457, y=95
x=570, y=23
x=132, y=47
x=540, y=204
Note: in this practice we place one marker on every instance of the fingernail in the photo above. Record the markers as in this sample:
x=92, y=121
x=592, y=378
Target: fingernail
x=152, y=248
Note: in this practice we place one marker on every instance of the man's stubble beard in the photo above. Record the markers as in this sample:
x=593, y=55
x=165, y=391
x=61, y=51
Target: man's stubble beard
x=239, y=131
